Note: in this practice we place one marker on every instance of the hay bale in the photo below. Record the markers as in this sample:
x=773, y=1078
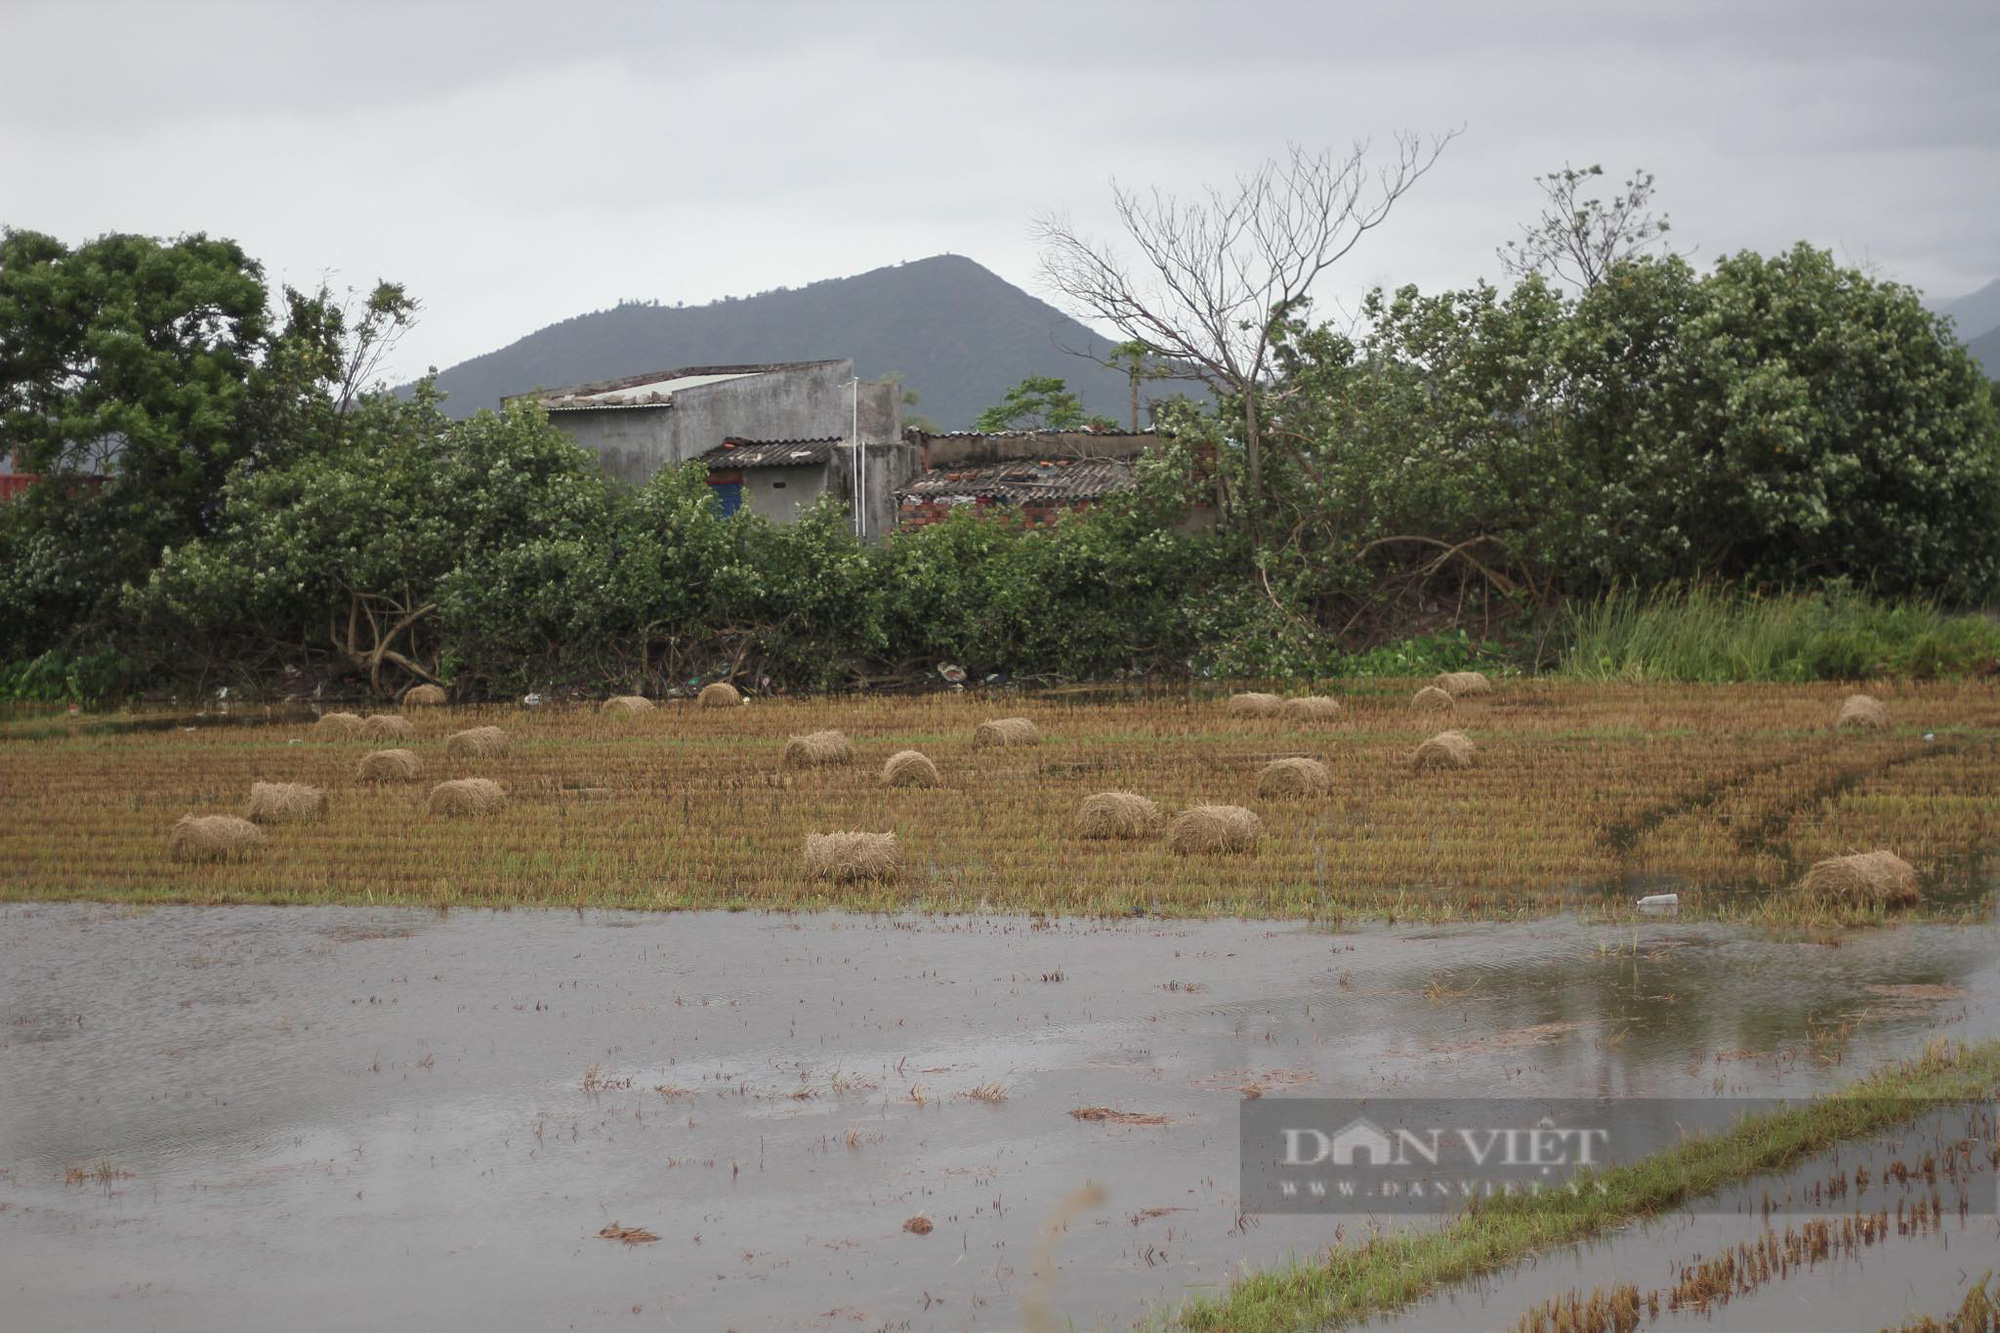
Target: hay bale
x=212, y=837
x=1431, y=699
x=626, y=703
x=1255, y=705
x=423, y=696
x=389, y=766
x=1117, y=814
x=386, y=727
x=1868, y=879
x=909, y=768
x=476, y=743
x=1862, y=710
x=466, y=796
x=719, y=694
x=1313, y=708
x=1447, y=749
x=285, y=802
x=1458, y=684
x=338, y=726
x=818, y=749
x=843, y=857
x=1293, y=777
x=1213, y=828
x=1006, y=731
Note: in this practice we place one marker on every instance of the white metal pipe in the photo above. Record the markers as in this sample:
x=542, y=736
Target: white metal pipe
x=860, y=465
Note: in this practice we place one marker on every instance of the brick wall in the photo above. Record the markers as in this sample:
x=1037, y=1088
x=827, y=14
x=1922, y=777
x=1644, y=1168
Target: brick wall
x=916, y=513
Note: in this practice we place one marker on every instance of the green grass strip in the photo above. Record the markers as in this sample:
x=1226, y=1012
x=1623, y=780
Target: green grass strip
x=1387, y=1272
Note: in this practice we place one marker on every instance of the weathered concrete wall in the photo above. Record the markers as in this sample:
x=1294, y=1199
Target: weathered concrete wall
x=629, y=441
x=809, y=403
x=889, y=466
x=941, y=451
x=779, y=493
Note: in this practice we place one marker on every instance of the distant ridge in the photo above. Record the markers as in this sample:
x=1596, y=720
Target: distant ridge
x=1976, y=314
x=1985, y=349
x=958, y=334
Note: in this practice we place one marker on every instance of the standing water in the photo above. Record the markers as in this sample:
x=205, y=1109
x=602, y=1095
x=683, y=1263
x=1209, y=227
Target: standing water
x=340, y=1117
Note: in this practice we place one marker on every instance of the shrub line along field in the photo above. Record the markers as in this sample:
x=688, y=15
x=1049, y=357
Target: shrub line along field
x=1577, y=795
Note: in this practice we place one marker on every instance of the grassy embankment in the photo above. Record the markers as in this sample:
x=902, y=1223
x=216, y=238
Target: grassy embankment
x=1582, y=794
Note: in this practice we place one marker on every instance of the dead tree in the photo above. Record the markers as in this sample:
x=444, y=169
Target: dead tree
x=1217, y=273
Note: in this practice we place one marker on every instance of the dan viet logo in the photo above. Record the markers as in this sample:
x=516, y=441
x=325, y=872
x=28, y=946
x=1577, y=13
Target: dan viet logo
x=1321, y=1155
x=1361, y=1142
x=1363, y=1161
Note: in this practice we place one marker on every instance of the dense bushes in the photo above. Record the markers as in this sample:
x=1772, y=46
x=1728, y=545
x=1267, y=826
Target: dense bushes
x=1438, y=489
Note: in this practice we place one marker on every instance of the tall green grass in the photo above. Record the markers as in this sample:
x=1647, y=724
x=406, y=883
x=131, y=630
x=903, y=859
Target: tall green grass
x=1716, y=634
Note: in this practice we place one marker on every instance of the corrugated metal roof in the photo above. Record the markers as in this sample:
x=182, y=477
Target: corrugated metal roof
x=1044, y=479
x=652, y=393
x=771, y=453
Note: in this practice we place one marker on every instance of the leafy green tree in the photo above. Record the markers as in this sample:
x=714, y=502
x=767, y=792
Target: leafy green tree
x=1039, y=402
x=1781, y=419
x=124, y=356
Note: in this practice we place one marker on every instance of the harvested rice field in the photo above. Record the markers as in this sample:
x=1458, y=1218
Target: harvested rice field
x=1577, y=796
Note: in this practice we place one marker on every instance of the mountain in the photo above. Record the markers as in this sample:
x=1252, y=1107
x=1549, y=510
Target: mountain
x=1986, y=350
x=956, y=333
x=1976, y=314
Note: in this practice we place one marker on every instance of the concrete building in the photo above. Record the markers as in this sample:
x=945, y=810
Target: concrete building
x=799, y=420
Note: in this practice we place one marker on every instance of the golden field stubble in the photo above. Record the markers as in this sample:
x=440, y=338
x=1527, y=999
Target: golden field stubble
x=1575, y=787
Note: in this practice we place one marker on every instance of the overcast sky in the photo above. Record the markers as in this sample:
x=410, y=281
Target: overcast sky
x=515, y=164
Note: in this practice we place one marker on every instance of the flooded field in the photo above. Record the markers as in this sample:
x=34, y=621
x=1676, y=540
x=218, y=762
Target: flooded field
x=335, y=1117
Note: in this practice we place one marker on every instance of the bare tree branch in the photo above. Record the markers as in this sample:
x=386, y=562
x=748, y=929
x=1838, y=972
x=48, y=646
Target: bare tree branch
x=1215, y=273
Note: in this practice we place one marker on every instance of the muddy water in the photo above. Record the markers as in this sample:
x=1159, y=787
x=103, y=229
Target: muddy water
x=343, y=1117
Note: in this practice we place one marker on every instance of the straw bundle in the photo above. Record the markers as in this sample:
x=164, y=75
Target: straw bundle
x=285, y=802
x=1447, y=749
x=476, y=743
x=212, y=837
x=1428, y=698
x=1313, y=708
x=386, y=727
x=338, y=726
x=1116, y=814
x=423, y=696
x=851, y=856
x=818, y=749
x=1869, y=879
x=909, y=768
x=718, y=694
x=626, y=703
x=1458, y=684
x=1214, y=828
x=466, y=796
x=1255, y=705
x=1293, y=777
x=1006, y=731
x=1862, y=710
x=389, y=766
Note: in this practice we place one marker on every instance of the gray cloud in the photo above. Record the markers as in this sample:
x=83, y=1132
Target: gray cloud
x=515, y=164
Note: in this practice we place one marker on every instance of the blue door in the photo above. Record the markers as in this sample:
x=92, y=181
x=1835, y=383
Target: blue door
x=730, y=493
